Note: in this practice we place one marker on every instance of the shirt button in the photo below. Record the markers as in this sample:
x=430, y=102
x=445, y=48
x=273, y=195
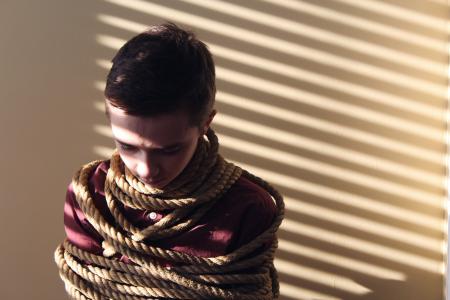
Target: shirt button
x=152, y=215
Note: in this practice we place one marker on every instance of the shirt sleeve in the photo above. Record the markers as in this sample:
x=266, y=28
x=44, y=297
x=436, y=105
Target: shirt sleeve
x=78, y=230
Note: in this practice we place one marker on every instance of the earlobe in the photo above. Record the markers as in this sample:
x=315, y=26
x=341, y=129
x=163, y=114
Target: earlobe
x=205, y=130
x=208, y=122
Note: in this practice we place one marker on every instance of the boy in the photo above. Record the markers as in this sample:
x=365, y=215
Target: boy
x=167, y=217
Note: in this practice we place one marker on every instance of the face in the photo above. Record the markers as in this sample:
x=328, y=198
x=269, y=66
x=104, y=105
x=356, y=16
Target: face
x=155, y=149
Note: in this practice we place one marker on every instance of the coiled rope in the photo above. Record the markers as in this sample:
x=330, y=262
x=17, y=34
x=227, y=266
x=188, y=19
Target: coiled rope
x=246, y=273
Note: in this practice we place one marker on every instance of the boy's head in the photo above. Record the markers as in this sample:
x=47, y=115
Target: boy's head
x=162, y=70
x=159, y=100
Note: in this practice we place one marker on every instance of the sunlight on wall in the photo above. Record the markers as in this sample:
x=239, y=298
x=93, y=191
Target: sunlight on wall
x=342, y=107
x=447, y=166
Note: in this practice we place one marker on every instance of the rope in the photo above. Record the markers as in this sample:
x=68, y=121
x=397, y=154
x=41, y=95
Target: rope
x=246, y=273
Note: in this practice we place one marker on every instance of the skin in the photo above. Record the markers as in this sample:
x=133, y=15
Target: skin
x=146, y=139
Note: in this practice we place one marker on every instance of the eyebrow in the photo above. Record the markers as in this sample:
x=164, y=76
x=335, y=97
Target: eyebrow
x=162, y=148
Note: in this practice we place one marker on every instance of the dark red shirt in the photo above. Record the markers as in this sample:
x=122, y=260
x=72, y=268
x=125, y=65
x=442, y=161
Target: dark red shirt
x=242, y=213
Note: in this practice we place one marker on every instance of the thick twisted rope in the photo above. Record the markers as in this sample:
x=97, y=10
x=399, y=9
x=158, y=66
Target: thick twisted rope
x=246, y=273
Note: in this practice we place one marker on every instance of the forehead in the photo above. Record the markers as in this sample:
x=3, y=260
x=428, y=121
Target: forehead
x=156, y=131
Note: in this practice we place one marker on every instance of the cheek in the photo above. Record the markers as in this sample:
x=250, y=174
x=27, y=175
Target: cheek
x=129, y=161
x=175, y=163
x=178, y=162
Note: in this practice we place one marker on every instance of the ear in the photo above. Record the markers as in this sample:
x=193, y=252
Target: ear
x=107, y=110
x=208, y=121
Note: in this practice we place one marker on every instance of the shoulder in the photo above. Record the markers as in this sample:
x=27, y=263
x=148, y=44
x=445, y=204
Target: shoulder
x=247, y=208
x=96, y=183
x=244, y=193
x=96, y=186
x=97, y=178
x=78, y=228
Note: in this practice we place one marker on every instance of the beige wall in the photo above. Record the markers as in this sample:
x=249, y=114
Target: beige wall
x=346, y=116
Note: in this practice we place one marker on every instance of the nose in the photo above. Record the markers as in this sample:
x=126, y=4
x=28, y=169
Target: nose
x=147, y=167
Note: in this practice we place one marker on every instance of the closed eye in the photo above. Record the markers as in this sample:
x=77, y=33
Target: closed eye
x=171, y=151
x=125, y=147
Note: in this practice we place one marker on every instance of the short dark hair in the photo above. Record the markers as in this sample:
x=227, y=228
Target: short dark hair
x=162, y=70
